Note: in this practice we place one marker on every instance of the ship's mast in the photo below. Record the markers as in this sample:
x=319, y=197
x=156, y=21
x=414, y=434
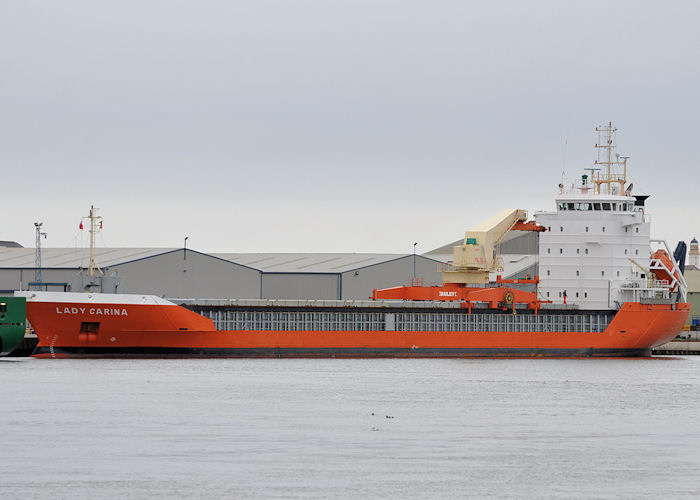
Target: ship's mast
x=94, y=220
x=615, y=167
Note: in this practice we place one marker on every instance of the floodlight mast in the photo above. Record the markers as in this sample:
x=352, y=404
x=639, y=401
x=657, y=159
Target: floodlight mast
x=37, y=256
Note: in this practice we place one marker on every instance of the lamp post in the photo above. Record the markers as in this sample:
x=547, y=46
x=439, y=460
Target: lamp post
x=184, y=249
x=414, y=260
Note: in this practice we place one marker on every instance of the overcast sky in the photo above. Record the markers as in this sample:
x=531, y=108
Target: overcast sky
x=348, y=126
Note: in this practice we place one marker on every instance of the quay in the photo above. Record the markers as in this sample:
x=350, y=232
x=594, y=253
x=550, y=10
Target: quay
x=686, y=343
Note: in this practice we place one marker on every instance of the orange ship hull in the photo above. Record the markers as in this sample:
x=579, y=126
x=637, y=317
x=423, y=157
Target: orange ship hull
x=142, y=330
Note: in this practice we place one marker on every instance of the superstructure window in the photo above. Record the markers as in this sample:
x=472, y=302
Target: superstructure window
x=547, y=272
x=570, y=206
x=603, y=228
x=596, y=206
x=561, y=229
x=562, y=206
x=602, y=273
x=561, y=250
x=618, y=274
x=577, y=273
x=636, y=229
x=586, y=251
x=606, y=206
x=614, y=206
x=585, y=295
x=636, y=252
x=586, y=228
x=549, y=250
x=578, y=251
x=625, y=251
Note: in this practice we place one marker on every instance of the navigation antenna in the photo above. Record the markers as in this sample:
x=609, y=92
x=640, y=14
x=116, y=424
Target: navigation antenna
x=37, y=257
x=610, y=161
x=95, y=225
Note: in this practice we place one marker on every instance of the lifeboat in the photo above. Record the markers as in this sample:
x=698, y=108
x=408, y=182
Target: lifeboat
x=662, y=267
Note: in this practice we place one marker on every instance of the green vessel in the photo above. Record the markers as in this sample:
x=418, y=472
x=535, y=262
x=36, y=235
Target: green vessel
x=13, y=320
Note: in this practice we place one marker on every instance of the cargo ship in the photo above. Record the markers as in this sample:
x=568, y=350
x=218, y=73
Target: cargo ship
x=12, y=323
x=601, y=290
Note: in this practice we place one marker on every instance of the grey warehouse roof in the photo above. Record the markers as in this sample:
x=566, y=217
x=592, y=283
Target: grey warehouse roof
x=74, y=258
x=308, y=262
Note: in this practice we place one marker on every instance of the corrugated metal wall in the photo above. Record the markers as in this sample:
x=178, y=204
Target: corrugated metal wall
x=300, y=286
x=358, y=284
x=196, y=276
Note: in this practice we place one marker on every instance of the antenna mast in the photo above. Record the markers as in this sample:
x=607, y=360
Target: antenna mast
x=94, y=220
x=37, y=256
x=609, y=160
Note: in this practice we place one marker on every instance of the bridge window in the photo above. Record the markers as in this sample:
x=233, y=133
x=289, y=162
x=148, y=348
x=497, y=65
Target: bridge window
x=596, y=206
x=570, y=206
x=606, y=206
x=614, y=206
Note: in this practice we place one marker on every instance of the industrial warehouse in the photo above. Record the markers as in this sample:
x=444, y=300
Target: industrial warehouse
x=187, y=273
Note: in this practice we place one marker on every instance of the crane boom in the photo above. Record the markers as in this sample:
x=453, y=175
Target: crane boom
x=478, y=255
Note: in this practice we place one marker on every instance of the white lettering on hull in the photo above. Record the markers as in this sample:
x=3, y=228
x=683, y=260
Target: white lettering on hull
x=93, y=311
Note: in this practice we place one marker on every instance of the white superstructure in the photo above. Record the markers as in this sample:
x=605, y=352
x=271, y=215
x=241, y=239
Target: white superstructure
x=597, y=246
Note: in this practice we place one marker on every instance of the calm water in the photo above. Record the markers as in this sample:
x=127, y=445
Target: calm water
x=319, y=428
